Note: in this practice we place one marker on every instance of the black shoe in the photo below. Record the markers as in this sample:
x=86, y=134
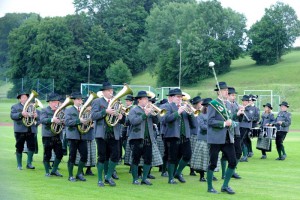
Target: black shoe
x=202, y=179
x=110, y=182
x=193, y=174
x=213, y=191
x=115, y=175
x=180, y=178
x=29, y=166
x=56, y=174
x=89, y=173
x=150, y=176
x=100, y=184
x=236, y=176
x=72, y=179
x=164, y=174
x=146, y=182
x=136, y=182
x=80, y=177
x=214, y=178
x=19, y=168
x=48, y=175
x=263, y=157
x=279, y=158
x=228, y=190
x=250, y=154
x=244, y=159
x=172, y=181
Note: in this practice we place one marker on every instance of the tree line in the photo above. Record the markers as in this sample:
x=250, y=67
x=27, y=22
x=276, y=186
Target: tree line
x=125, y=37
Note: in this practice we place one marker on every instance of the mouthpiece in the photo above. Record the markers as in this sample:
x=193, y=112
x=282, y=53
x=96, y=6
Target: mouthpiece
x=211, y=64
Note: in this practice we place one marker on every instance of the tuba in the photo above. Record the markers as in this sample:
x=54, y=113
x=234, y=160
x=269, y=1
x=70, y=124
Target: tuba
x=115, y=104
x=59, y=113
x=30, y=108
x=85, y=113
x=187, y=106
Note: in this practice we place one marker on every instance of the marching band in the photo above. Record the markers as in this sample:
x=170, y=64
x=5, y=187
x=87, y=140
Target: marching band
x=174, y=133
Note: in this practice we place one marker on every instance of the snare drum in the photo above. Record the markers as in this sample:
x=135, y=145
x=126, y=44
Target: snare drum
x=255, y=132
x=269, y=132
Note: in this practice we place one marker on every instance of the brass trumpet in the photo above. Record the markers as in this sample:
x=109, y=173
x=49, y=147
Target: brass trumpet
x=156, y=110
x=189, y=109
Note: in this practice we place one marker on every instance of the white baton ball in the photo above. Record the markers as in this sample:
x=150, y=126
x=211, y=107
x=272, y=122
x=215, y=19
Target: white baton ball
x=211, y=64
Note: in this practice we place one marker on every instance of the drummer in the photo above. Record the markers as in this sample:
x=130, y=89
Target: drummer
x=267, y=119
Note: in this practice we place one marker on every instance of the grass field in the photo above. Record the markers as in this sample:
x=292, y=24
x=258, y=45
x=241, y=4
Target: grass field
x=261, y=179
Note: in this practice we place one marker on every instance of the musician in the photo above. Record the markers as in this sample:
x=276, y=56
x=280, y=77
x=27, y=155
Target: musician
x=22, y=132
x=50, y=141
x=141, y=137
x=162, y=146
x=177, y=136
x=267, y=119
x=256, y=115
x=75, y=139
x=200, y=156
x=245, y=127
x=107, y=137
x=282, y=122
x=220, y=136
x=197, y=104
x=129, y=104
x=233, y=109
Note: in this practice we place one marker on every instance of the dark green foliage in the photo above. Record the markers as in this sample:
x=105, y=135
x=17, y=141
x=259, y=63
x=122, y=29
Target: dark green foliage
x=274, y=34
x=118, y=73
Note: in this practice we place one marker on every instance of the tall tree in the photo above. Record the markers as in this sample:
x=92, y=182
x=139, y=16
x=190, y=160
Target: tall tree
x=274, y=34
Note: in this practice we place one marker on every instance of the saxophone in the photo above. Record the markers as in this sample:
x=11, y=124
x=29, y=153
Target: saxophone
x=85, y=113
x=60, y=114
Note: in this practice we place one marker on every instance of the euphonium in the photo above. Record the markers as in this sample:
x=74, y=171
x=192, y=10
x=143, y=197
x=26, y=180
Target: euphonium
x=115, y=104
x=85, y=113
x=156, y=110
x=60, y=114
x=30, y=108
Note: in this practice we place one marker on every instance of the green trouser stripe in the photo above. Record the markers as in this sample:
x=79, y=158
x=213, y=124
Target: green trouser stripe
x=134, y=172
x=223, y=165
x=209, y=178
x=70, y=168
x=29, y=157
x=146, y=169
x=19, y=159
x=171, y=168
x=228, y=175
x=111, y=168
x=80, y=167
x=181, y=166
x=55, y=165
x=47, y=166
x=100, y=167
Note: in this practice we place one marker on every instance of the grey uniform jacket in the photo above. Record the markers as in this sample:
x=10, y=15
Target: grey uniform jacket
x=233, y=108
x=16, y=116
x=253, y=116
x=162, y=123
x=98, y=114
x=137, y=118
x=71, y=122
x=266, y=118
x=202, y=134
x=172, y=121
x=46, y=116
x=285, y=117
x=216, y=132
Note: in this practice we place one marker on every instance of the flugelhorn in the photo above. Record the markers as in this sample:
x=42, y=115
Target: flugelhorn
x=187, y=106
x=156, y=110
